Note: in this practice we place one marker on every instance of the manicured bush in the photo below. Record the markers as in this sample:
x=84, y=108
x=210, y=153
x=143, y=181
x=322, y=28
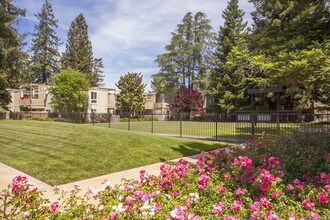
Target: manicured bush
x=2, y=113
x=250, y=183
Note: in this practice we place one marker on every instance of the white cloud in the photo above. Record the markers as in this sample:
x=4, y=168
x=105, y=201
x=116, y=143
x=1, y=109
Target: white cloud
x=129, y=34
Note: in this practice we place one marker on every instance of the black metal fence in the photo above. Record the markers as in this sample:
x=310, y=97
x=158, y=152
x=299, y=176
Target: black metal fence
x=233, y=127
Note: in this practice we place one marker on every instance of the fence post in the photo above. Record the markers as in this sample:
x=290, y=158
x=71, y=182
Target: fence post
x=252, y=122
x=129, y=122
x=278, y=113
x=109, y=120
x=216, y=127
x=180, y=125
x=152, y=123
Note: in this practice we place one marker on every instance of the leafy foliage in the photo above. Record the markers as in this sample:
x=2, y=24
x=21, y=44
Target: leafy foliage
x=45, y=56
x=69, y=91
x=130, y=98
x=187, y=101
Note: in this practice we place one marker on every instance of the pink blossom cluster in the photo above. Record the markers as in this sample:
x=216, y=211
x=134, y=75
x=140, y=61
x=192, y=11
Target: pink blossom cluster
x=19, y=184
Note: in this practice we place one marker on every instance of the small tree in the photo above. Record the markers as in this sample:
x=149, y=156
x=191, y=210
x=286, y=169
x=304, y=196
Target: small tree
x=69, y=91
x=130, y=99
x=187, y=101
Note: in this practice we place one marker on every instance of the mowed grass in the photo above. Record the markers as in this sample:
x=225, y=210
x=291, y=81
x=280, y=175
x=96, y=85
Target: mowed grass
x=58, y=153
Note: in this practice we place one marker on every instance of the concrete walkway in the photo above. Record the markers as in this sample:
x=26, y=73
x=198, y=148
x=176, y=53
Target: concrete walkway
x=8, y=173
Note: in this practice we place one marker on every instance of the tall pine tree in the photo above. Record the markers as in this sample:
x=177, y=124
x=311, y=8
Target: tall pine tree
x=12, y=58
x=79, y=54
x=226, y=82
x=186, y=61
x=45, y=56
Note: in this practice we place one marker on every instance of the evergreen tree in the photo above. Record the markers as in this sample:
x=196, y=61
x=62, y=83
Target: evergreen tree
x=286, y=34
x=226, y=84
x=12, y=58
x=79, y=54
x=130, y=99
x=45, y=56
x=186, y=61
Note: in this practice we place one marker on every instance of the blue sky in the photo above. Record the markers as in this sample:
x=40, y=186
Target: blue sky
x=127, y=34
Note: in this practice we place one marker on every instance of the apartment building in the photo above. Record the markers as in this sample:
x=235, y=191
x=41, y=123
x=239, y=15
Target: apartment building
x=101, y=100
x=36, y=98
x=32, y=97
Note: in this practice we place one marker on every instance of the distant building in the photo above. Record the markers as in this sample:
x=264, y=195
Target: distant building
x=32, y=97
x=36, y=98
x=101, y=100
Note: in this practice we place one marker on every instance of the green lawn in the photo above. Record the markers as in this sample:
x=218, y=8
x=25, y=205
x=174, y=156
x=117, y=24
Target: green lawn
x=221, y=130
x=58, y=153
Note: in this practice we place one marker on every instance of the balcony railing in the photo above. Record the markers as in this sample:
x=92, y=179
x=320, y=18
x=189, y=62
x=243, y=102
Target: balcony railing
x=161, y=105
x=33, y=103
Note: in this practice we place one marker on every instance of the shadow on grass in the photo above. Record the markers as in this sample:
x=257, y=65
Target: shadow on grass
x=191, y=149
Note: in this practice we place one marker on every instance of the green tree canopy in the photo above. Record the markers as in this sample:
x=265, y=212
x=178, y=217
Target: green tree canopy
x=45, y=56
x=69, y=91
x=186, y=62
x=130, y=98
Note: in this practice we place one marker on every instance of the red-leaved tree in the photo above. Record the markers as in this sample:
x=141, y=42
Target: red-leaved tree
x=187, y=101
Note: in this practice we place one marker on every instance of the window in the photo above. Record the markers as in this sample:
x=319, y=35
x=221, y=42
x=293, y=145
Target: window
x=93, y=97
x=93, y=110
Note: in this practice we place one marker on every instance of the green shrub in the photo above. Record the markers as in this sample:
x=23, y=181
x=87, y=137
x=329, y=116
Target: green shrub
x=301, y=152
x=2, y=113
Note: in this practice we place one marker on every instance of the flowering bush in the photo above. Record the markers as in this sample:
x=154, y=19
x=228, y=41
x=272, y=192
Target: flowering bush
x=240, y=184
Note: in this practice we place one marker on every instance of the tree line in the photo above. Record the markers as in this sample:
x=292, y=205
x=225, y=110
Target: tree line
x=287, y=45
x=43, y=61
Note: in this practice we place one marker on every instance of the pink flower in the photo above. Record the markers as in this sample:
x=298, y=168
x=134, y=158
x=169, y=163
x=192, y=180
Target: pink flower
x=243, y=162
x=290, y=187
x=272, y=216
x=254, y=206
x=263, y=187
x=113, y=215
x=315, y=216
x=322, y=198
x=308, y=204
x=236, y=206
x=327, y=187
x=266, y=177
x=239, y=191
x=192, y=216
x=265, y=203
x=217, y=209
x=53, y=207
x=227, y=176
x=178, y=213
x=157, y=206
x=221, y=188
x=274, y=194
x=143, y=175
x=19, y=184
x=325, y=178
x=203, y=180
